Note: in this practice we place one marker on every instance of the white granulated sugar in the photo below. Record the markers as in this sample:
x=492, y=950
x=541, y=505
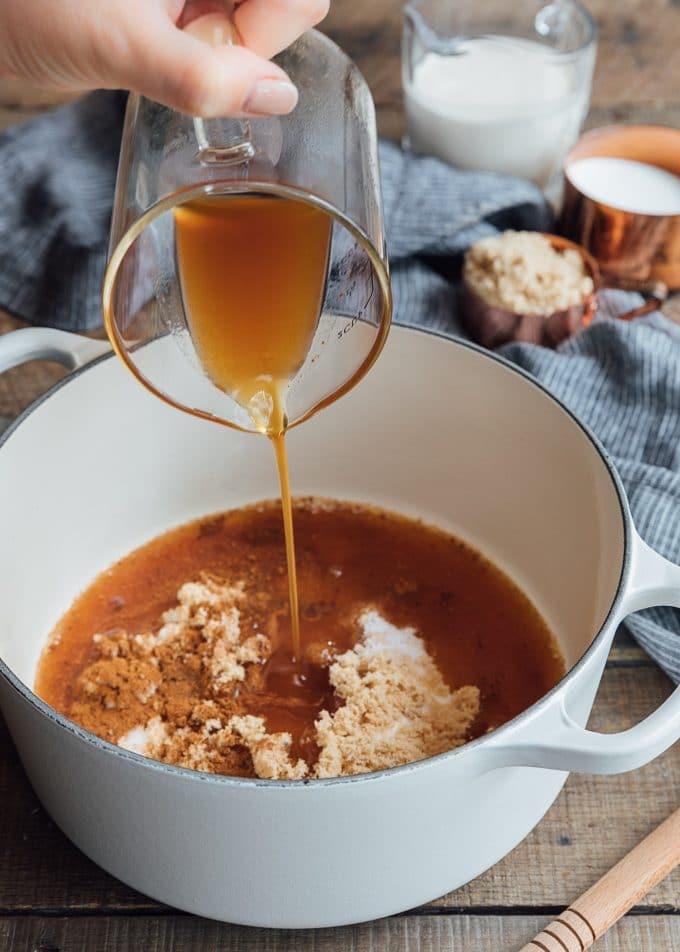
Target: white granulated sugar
x=627, y=185
x=381, y=636
x=144, y=739
x=136, y=740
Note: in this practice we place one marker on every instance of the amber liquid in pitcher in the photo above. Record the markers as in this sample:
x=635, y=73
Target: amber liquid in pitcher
x=253, y=273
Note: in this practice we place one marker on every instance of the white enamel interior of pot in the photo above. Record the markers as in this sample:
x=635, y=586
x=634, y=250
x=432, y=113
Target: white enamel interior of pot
x=436, y=430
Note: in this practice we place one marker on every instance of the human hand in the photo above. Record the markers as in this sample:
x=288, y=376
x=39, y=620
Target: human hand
x=77, y=45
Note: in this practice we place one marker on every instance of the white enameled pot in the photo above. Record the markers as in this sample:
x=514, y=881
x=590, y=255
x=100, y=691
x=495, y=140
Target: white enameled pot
x=438, y=429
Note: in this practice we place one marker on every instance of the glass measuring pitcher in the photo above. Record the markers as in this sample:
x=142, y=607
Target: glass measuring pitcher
x=200, y=241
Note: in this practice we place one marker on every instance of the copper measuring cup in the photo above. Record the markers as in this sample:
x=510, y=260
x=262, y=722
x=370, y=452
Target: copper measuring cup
x=492, y=326
x=634, y=251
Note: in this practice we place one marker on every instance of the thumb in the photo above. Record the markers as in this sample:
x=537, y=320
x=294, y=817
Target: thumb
x=180, y=71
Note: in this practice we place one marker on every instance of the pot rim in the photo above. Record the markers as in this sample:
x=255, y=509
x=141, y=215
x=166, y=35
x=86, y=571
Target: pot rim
x=186, y=774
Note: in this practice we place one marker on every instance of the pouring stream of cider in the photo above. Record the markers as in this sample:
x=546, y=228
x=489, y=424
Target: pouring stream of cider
x=253, y=273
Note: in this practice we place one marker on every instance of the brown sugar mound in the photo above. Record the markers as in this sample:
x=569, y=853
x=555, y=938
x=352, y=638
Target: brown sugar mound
x=397, y=706
x=184, y=694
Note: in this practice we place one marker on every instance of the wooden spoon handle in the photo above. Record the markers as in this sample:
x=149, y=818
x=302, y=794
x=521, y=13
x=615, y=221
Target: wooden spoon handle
x=611, y=897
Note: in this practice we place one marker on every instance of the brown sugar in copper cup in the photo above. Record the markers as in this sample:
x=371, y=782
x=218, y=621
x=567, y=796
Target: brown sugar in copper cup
x=491, y=326
x=633, y=250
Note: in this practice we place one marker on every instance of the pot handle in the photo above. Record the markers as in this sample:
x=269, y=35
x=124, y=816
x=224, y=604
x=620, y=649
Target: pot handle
x=654, y=581
x=47, y=343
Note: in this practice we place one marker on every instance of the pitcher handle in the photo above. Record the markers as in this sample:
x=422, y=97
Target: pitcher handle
x=45, y=343
x=655, y=581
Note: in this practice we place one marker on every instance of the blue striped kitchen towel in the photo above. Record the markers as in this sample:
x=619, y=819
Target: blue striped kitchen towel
x=57, y=177
x=623, y=381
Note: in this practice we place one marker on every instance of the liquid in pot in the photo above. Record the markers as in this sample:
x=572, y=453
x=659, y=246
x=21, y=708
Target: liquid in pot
x=479, y=630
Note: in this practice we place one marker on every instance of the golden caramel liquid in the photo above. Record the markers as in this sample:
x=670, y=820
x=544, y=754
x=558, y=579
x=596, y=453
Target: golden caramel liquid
x=478, y=626
x=253, y=273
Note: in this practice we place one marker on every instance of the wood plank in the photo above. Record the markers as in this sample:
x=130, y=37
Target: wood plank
x=596, y=820
x=12, y=117
x=41, y=871
x=656, y=112
x=636, y=64
x=626, y=651
x=636, y=61
x=20, y=101
x=22, y=385
x=422, y=933
x=18, y=94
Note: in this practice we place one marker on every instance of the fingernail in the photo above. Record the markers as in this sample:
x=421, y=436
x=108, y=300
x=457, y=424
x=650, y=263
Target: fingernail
x=216, y=29
x=271, y=97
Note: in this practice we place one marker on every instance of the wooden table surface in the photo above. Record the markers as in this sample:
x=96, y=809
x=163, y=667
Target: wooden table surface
x=52, y=899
